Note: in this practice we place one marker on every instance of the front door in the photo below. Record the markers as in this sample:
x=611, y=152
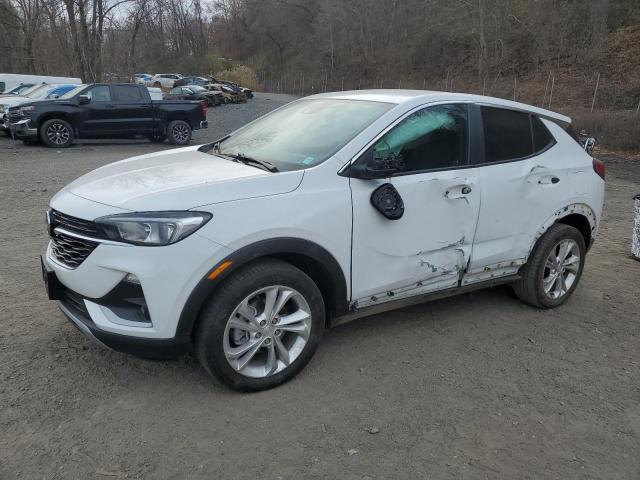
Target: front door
x=429, y=246
x=99, y=112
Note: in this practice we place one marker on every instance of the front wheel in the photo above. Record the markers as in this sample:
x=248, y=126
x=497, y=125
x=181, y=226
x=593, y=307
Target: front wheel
x=56, y=133
x=554, y=268
x=179, y=132
x=261, y=327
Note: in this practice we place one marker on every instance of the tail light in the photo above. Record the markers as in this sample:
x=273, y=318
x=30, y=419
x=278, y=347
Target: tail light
x=203, y=107
x=598, y=167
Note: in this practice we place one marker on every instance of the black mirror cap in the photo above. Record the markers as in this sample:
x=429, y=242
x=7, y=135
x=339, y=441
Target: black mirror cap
x=84, y=99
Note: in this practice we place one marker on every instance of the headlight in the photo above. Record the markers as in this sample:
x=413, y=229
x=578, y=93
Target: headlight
x=152, y=228
x=2, y=108
x=27, y=108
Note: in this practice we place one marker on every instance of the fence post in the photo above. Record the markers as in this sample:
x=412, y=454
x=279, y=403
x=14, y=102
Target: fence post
x=593, y=102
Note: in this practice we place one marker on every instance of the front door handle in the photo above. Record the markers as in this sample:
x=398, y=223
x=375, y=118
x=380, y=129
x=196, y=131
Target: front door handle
x=458, y=191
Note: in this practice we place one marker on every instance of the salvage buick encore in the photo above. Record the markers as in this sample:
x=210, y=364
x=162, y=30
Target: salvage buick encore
x=333, y=207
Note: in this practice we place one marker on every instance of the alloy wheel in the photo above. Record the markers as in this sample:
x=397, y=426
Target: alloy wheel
x=58, y=133
x=181, y=133
x=561, y=269
x=267, y=331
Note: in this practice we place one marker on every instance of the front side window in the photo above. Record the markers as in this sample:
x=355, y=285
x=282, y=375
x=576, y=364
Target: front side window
x=303, y=133
x=432, y=138
x=99, y=94
x=507, y=134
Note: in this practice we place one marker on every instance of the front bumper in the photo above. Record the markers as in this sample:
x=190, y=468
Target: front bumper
x=167, y=276
x=22, y=129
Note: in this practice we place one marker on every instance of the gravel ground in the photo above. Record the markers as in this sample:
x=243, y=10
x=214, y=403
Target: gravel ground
x=478, y=386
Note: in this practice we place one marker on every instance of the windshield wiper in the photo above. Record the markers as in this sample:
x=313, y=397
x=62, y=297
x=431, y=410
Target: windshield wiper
x=239, y=157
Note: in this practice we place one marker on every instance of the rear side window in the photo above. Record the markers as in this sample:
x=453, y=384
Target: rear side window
x=507, y=134
x=127, y=93
x=542, y=138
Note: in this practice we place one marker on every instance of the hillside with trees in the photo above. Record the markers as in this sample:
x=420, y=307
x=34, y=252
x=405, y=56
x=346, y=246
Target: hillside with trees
x=583, y=57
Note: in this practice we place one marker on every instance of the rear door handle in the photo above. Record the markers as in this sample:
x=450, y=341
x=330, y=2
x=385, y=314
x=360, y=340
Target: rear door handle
x=549, y=180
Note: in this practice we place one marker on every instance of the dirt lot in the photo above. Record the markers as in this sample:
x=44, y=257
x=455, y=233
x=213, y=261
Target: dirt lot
x=478, y=386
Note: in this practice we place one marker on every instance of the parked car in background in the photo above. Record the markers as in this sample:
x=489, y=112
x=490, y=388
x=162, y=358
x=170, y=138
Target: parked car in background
x=195, y=92
x=155, y=93
x=230, y=94
x=18, y=90
x=192, y=80
x=224, y=249
x=142, y=78
x=106, y=111
x=41, y=92
x=244, y=90
x=11, y=80
x=164, y=80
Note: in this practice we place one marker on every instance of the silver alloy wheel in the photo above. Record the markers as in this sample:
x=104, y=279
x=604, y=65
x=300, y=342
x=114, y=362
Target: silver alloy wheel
x=561, y=268
x=267, y=331
x=181, y=133
x=58, y=133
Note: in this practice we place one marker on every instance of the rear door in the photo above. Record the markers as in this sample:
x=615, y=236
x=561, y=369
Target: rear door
x=521, y=187
x=429, y=246
x=134, y=111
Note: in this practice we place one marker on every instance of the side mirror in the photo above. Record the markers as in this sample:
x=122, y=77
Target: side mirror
x=369, y=167
x=84, y=99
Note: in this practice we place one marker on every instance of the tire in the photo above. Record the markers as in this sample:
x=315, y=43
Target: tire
x=56, y=133
x=542, y=284
x=157, y=85
x=216, y=339
x=179, y=132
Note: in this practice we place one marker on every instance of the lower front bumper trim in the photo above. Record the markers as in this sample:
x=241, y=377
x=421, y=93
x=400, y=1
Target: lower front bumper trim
x=152, y=348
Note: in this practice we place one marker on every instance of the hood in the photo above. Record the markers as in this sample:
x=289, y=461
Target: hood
x=13, y=100
x=178, y=179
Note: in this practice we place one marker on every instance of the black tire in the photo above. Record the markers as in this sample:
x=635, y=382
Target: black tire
x=179, y=132
x=157, y=85
x=530, y=288
x=211, y=326
x=56, y=133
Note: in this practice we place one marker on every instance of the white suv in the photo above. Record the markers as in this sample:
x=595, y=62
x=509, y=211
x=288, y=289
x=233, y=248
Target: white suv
x=164, y=80
x=333, y=207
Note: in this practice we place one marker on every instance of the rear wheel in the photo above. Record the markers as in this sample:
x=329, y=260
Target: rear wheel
x=261, y=327
x=56, y=133
x=179, y=132
x=554, y=268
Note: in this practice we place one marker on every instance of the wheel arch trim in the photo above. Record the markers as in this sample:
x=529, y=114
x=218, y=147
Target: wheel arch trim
x=274, y=248
x=578, y=209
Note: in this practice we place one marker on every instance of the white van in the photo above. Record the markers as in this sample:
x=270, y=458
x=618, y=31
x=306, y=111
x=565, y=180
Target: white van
x=11, y=80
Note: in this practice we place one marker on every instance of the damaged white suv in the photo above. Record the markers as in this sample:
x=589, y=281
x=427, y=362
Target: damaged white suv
x=333, y=207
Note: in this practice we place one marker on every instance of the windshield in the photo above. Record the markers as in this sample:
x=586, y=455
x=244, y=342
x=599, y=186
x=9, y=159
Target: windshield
x=303, y=133
x=73, y=92
x=196, y=88
x=20, y=89
x=39, y=92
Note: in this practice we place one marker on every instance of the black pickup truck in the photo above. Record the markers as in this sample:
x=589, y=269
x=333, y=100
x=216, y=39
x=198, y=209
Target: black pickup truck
x=106, y=111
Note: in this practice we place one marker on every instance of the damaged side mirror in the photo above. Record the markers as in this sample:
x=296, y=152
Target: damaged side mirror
x=369, y=166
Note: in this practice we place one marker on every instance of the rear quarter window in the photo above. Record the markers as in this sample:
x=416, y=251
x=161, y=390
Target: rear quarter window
x=542, y=137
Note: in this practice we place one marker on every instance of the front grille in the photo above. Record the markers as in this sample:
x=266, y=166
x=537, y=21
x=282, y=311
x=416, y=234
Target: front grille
x=73, y=224
x=69, y=250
